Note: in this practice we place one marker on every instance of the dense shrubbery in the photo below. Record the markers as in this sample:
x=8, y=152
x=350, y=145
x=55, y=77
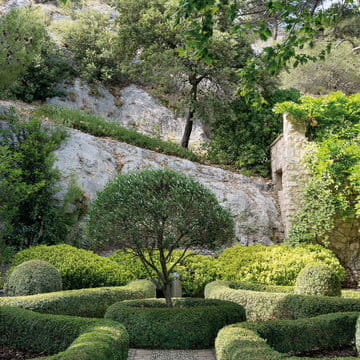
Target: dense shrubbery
x=30, y=213
x=332, y=192
x=93, y=42
x=96, y=126
x=33, y=277
x=191, y=324
x=84, y=302
x=265, y=340
x=243, y=134
x=317, y=279
x=273, y=265
x=195, y=270
x=73, y=338
x=79, y=268
x=265, y=304
x=30, y=64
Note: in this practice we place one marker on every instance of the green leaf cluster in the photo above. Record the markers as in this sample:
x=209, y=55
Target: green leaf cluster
x=242, y=134
x=30, y=213
x=93, y=43
x=30, y=62
x=331, y=195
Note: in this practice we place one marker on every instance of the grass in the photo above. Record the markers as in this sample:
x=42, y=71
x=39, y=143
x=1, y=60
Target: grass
x=97, y=126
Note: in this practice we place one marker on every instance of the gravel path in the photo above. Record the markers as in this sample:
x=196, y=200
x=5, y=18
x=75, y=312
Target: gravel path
x=140, y=354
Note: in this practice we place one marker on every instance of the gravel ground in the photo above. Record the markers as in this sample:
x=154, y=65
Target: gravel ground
x=139, y=354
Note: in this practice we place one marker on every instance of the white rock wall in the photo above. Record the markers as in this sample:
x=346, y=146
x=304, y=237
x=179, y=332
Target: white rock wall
x=93, y=162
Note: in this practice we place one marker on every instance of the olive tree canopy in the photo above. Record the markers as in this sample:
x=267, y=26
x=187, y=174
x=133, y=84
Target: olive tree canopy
x=155, y=212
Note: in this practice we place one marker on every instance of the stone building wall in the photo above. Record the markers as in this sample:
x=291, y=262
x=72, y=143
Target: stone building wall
x=289, y=176
x=288, y=172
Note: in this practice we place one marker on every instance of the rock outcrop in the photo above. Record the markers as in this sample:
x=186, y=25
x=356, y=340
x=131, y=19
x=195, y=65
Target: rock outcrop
x=92, y=162
x=131, y=107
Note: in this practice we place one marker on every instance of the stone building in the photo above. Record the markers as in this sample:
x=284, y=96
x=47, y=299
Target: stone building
x=288, y=173
x=289, y=177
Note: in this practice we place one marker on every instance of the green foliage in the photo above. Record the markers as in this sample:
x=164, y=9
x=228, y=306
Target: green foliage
x=337, y=72
x=317, y=279
x=242, y=134
x=274, y=340
x=273, y=265
x=195, y=270
x=71, y=337
x=33, y=277
x=23, y=34
x=156, y=212
x=96, y=126
x=300, y=21
x=147, y=32
x=93, y=42
x=268, y=305
x=84, y=302
x=357, y=337
x=29, y=210
x=332, y=194
x=39, y=81
x=30, y=63
x=191, y=324
x=79, y=268
x=27, y=184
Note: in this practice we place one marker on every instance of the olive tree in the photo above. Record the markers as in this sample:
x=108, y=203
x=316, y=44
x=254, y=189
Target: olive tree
x=155, y=212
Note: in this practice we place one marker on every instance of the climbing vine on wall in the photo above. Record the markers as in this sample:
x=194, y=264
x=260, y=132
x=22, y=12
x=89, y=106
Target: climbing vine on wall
x=332, y=191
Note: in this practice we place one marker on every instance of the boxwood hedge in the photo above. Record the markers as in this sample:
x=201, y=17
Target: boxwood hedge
x=282, y=339
x=190, y=324
x=79, y=268
x=84, y=302
x=73, y=338
x=264, y=304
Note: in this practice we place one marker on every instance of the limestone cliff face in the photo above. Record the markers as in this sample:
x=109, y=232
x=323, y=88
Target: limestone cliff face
x=130, y=107
x=93, y=162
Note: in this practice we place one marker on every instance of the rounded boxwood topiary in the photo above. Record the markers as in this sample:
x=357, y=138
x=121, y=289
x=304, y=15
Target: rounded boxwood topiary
x=33, y=277
x=190, y=324
x=317, y=279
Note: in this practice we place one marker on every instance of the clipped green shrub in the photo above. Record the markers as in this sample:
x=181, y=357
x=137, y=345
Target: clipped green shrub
x=84, y=302
x=273, y=265
x=79, y=268
x=264, y=304
x=190, y=324
x=71, y=337
x=195, y=271
x=275, y=340
x=317, y=279
x=97, y=126
x=33, y=277
x=357, y=336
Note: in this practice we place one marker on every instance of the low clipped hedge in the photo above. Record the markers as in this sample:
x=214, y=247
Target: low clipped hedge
x=190, y=324
x=273, y=265
x=78, y=268
x=262, y=303
x=68, y=337
x=84, y=302
x=274, y=340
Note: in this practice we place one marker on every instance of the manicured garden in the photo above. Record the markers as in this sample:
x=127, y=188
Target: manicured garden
x=242, y=319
